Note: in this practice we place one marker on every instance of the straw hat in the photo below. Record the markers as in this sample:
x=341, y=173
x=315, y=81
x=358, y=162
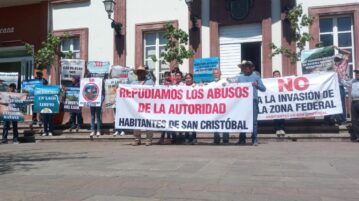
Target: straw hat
x=245, y=63
x=140, y=68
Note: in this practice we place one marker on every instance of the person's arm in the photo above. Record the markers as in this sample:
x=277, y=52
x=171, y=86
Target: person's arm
x=260, y=86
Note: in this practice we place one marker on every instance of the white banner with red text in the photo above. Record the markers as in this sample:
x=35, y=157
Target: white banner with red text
x=309, y=95
x=182, y=108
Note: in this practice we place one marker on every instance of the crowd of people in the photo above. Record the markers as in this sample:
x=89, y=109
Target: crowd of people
x=175, y=77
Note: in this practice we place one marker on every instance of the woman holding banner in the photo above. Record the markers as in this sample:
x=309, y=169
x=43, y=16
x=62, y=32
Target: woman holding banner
x=278, y=123
x=141, y=73
x=76, y=117
x=12, y=89
x=190, y=138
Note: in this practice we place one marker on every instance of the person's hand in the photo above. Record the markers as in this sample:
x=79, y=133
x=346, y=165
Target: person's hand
x=254, y=84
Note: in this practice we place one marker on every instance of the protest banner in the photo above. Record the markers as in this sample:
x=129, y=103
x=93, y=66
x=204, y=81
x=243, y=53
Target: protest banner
x=110, y=91
x=6, y=78
x=72, y=99
x=12, y=106
x=203, y=69
x=91, y=92
x=71, y=68
x=182, y=108
x=317, y=60
x=28, y=86
x=47, y=99
x=120, y=72
x=98, y=68
x=309, y=95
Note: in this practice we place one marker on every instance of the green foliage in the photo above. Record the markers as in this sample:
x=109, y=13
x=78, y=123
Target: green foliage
x=175, y=49
x=297, y=21
x=45, y=56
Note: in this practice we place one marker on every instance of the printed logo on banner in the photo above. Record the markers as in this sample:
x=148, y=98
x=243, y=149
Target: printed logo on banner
x=91, y=92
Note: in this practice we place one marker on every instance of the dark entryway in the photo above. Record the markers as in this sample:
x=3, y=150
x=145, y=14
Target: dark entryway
x=252, y=52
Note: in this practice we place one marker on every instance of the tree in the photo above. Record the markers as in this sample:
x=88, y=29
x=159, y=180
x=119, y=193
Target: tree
x=46, y=55
x=297, y=21
x=175, y=50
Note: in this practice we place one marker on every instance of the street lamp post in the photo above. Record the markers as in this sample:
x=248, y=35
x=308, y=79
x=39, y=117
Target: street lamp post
x=109, y=7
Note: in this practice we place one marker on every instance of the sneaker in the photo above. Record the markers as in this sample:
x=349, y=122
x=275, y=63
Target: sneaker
x=116, y=133
x=278, y=133
x=50, y=134
x=70, y=130
x=77, y=129
x=92, y=133
x=122, y=133
x=98, y=133
x=44, y=134
x=136, y=143
x=16, y=142
x=255, y=144
x=282, y=132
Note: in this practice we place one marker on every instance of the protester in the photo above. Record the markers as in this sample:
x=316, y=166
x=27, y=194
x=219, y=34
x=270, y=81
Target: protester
x=76, y=117
x=278, y=123
x=247, y=68
x=218, y=80
x=141, y=80
x=39, y=76
x=48, y=121
x=341, y=62
x=167, y=81
x=179, y=78
x=11, y=89
x=117, y=131
x=354, y=135
x=190, y=138
x=96, y=114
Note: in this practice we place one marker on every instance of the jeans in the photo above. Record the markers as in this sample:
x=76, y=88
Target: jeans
x=338, y=118
x=47, y=119
x=355, y=123
x=96, y=112
x=279, y=124
x=190, y=137
x=242, y=136
x=76, y=119
x=217, y=138
x=5, y=131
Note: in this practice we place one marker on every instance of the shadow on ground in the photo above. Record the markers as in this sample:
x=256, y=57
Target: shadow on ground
x=26, y=161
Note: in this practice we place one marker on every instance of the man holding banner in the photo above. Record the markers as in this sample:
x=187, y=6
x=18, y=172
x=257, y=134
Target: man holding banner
x=247, y=75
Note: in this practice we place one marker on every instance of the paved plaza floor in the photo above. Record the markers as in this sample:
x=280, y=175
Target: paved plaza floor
x=112, y=171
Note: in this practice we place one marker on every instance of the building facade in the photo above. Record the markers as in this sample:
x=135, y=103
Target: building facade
x=233, y=30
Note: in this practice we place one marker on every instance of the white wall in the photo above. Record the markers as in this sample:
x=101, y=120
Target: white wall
x=146, y=11
x=276, y=34
x=317, y=3
x=87, y=15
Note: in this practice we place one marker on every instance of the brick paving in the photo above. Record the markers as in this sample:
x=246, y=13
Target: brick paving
x=101, y=171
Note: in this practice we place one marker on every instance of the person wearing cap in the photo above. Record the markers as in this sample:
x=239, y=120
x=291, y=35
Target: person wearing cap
x=247, y=67
x=354, y=85
x=39, y=76
x=341, y=62
x=141, y=73
x=5, y=131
